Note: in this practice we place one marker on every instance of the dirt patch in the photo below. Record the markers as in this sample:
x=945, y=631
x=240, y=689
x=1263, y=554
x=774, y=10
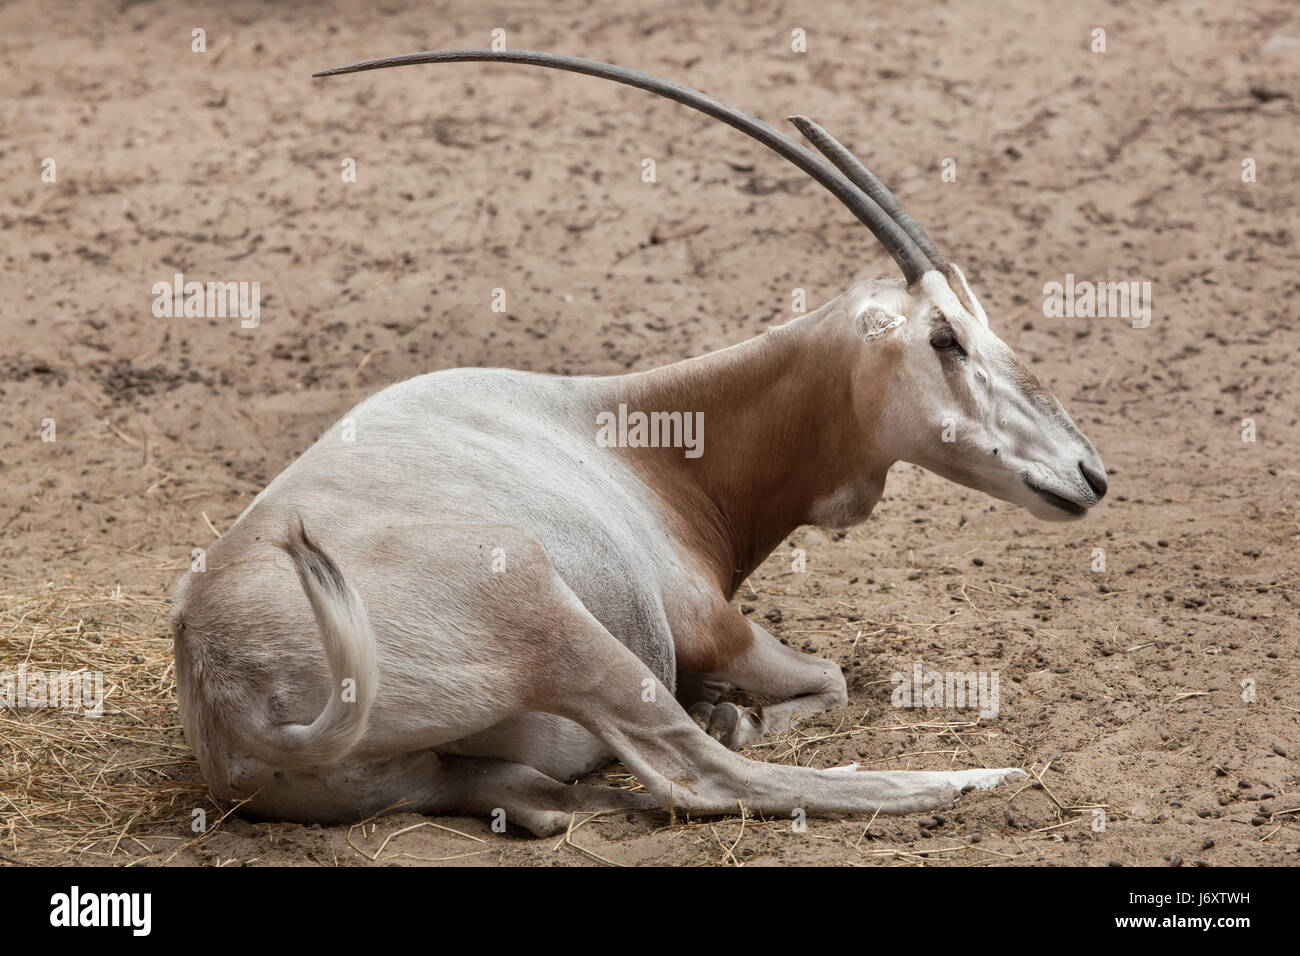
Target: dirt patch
x=1127, y=691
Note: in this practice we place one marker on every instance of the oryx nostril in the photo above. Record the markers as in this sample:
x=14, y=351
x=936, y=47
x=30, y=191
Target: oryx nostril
x=1096, y=479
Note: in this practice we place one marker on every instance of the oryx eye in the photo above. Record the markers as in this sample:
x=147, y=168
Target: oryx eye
x=944, y=339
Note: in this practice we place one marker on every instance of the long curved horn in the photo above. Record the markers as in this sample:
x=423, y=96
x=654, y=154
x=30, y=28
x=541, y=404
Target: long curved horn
x=866, y=180
x=887, y=231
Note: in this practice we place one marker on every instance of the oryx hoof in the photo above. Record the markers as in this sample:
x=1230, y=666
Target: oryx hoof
x=729, y=725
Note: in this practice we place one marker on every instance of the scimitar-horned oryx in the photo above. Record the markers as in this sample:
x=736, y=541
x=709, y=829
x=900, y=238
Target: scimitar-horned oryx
x=505, y=599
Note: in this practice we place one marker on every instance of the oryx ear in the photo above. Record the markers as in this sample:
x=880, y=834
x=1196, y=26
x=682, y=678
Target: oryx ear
x=873, y=322
x=961, y=288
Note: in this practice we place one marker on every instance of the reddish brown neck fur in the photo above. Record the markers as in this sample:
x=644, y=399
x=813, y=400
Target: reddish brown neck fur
x=788, y=420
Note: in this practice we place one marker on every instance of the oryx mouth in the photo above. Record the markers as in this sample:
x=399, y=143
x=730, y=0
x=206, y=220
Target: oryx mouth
x=1065, y=504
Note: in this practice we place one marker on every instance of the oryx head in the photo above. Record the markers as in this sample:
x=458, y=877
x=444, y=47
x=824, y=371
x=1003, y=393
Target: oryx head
x=958, y=400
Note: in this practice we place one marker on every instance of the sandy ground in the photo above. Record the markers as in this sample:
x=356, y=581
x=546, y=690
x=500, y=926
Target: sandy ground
x=1122, y=689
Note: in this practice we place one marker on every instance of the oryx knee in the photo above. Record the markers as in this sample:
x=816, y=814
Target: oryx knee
x=835, y=688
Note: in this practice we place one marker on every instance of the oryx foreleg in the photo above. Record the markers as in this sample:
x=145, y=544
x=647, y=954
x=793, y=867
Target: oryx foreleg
x=802, y=684
x=615, y=696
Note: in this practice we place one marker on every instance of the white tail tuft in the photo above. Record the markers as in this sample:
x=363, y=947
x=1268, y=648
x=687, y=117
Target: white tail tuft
x=350, y=649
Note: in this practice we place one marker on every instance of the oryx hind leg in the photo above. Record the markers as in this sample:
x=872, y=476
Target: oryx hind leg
x=521, y=795
x=425, y=782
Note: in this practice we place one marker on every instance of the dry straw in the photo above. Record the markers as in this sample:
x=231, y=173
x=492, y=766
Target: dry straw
x=77, y=789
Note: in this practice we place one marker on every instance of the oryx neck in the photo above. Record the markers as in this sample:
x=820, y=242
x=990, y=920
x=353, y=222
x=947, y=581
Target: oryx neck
x=786, y=442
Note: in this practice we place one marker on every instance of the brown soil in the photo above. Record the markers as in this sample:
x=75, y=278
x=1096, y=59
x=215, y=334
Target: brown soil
x=1123, y=689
